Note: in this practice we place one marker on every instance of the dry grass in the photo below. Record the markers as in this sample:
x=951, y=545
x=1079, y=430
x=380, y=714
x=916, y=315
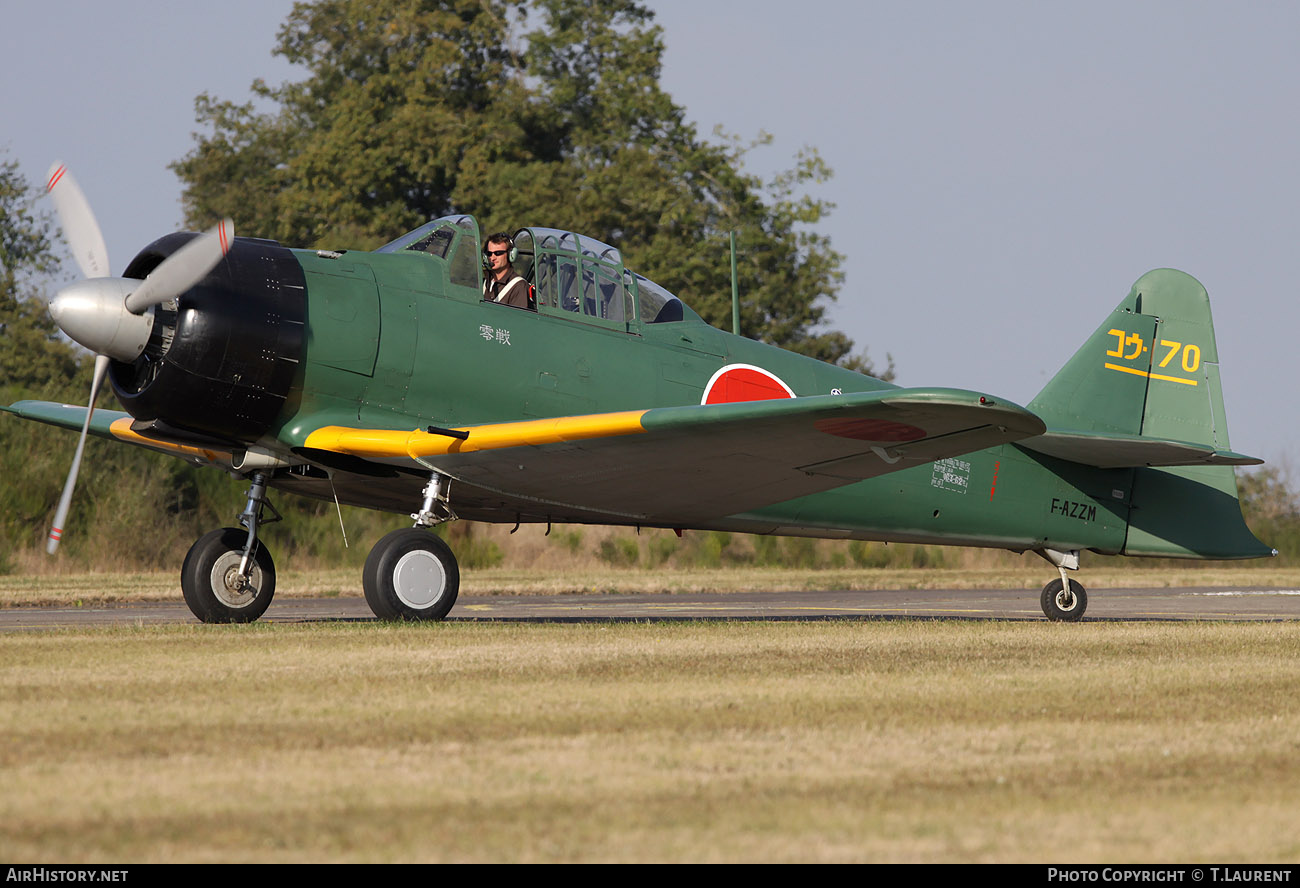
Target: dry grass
x=747, y=741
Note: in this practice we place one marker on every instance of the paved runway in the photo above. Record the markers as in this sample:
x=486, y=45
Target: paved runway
x=1206, y=603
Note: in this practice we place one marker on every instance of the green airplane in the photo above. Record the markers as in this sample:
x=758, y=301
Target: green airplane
x=385, y=380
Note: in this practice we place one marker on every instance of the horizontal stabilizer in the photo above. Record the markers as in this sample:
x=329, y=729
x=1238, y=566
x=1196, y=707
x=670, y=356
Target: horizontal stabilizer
x=1117, y=451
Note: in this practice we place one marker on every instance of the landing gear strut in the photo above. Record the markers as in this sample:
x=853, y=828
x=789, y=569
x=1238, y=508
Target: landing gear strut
x=228, y=576
x=410, y=573
x=1063, y=600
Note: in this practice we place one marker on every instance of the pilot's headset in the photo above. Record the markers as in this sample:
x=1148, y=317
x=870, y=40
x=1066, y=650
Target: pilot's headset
x=501, y=236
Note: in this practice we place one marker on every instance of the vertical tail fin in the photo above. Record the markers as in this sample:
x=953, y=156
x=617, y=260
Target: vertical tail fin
x=1152, y=370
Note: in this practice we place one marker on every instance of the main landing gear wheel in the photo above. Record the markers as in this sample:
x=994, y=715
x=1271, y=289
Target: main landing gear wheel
x=211, y=583
x=411, y=575
x=1062, y=605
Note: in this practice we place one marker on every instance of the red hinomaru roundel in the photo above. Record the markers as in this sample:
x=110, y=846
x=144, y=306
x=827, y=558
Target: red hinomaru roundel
x=744, y=382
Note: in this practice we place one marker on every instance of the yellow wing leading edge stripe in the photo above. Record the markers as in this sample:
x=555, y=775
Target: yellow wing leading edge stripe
x=376, y=443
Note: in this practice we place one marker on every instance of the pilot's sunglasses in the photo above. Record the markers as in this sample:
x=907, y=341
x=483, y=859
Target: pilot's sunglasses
x=495, y=252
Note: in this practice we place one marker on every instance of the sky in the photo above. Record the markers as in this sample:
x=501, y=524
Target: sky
x=1004, y=171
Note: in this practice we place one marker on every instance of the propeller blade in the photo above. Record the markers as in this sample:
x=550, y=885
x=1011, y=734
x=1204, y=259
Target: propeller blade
x=184, y=268
x=61, y=514
x=79, y=225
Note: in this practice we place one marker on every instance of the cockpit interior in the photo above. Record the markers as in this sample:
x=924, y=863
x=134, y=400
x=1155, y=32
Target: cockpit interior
x=572, y=274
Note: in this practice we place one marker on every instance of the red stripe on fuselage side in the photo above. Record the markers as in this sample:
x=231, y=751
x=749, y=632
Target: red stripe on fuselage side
x=55, y=177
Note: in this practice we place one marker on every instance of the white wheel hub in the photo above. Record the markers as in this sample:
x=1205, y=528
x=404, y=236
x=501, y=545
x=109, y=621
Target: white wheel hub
x=1066, y=600
x=226, y=585
x=419, y=579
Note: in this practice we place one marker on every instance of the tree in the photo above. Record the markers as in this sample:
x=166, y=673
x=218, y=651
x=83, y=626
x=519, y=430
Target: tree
x=544, y=112
x=32, y=356
x=34, y=362
x=401, y=98
x=1271, y=506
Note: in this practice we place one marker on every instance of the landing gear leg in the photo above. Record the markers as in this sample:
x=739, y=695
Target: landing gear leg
x=1063, y=600
x=228, y=576
x=410, y=573
x=437, y=502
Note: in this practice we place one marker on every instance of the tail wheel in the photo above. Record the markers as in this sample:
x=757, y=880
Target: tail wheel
x=1064, y=605
x=411, y=575
x=212, y=585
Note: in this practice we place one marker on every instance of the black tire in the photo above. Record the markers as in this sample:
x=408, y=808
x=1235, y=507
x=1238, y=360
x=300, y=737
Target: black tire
x=206, y=577
x=411, y=575
x=1062, y=607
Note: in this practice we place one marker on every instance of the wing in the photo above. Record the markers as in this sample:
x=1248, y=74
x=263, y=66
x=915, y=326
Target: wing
x=118, y=426
x=676, y=465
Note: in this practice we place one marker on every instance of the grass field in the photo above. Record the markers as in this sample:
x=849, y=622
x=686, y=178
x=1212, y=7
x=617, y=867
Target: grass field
x=719, y=741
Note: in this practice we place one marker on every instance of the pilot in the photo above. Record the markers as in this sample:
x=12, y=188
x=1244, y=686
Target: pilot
x=501, y=282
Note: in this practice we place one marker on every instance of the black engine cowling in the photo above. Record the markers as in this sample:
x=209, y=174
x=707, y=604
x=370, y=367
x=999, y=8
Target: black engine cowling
x=223, y=357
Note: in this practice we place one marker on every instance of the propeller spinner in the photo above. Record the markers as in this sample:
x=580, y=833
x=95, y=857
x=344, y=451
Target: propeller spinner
x=109, y=315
